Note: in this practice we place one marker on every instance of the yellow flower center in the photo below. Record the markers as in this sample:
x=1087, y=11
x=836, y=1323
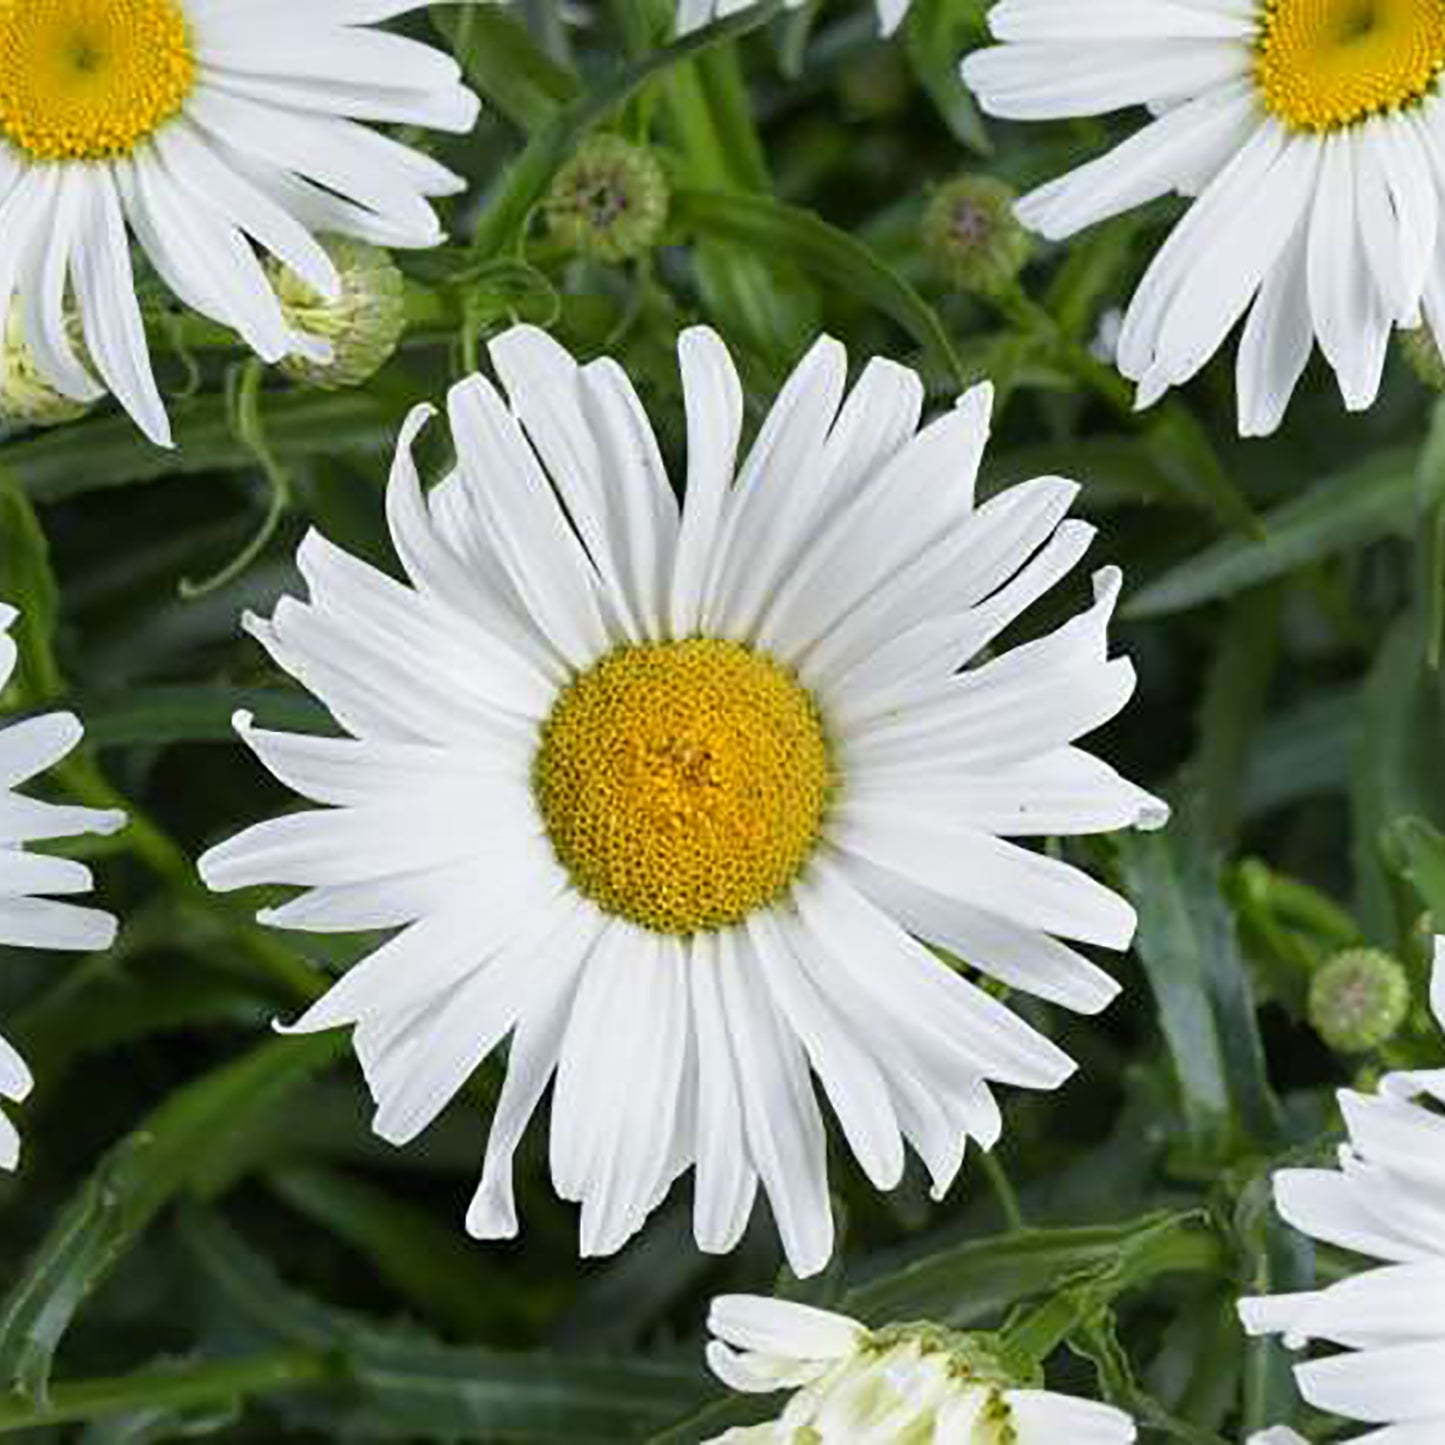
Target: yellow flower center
x=87, y=80
x=683, y=784
x=1326, y=64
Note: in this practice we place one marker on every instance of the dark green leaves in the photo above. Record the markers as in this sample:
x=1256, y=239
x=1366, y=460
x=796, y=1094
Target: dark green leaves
x=1190, y=953
x=187, y=1144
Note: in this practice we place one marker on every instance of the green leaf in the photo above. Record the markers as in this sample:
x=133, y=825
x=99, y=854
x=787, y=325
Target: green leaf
x=934, y=35
x=108, y=451
x=167, y=1397
x=198, y=713
x=504, y=65
x=430, y=1263
x=1341, y=514
x=27, y=582
x=1188, y=946
x=1398, y=771
x=841, y=263
x=173, y=1150
x=403, y=1386
x=1421, y=849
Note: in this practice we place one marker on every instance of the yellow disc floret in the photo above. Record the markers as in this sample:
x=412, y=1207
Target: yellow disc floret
x=1326, y=64
x=683, y=784
x=88, y=80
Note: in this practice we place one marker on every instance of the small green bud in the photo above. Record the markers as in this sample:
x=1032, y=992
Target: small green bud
x=1359, y=1000
x=26, y=397
x=609, y=202
x=1422, y=351
x=972, y=236
x=363, y=324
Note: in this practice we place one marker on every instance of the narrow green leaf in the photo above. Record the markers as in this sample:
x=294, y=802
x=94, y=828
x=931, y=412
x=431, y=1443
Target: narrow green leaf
x=1188, y=946
x=198, y=713
x=168, y=1153
x=934, y=35
x=504, y=65
x=403, y=1386
x=108, y=451
x=1341, y=514
x=27, y=582
x=431, y=1264
x=172, y=1391
x=1398, y=771
x=839, y=261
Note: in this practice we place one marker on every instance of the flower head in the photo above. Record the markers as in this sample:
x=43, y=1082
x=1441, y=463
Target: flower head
x=1307, y=132
x=904, y=1383
x=678, y=796
x=206, y=130
x=1385, y=1202
x=27, y=918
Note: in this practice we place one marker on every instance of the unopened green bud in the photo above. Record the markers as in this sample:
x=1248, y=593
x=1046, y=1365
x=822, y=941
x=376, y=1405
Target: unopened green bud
x=363, y=324
x=972, y=236
x=609, y=202
x=1422, y=351
x=26, y=397
x=1359, y=1000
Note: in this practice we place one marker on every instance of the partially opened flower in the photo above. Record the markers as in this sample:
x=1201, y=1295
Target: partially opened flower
x=671, y=795
x=691, y=14
x=1385, y=1203
x=28, y=919
x=206, y=127
x=1310, y=132
x=903, y=1383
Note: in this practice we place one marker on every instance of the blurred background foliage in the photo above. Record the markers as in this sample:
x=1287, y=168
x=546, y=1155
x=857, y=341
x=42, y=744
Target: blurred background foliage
x=204, y=1239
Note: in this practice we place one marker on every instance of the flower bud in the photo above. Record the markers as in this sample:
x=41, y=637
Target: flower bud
x=609, y=202
x=1359, y=1000
x=362, y=325
x=973, y=238
x=26, y=397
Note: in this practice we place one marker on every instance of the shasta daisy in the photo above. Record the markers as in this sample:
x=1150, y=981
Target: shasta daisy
x=1311, y=136
x=671, y=794
x=206, y=128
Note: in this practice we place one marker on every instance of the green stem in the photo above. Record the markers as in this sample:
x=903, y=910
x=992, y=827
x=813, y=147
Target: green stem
x=1003, y=1189
x=185, y=1388
x=1180, y=1244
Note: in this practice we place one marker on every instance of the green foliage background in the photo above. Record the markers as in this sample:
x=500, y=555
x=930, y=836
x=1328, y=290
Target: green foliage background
x=205, y=1240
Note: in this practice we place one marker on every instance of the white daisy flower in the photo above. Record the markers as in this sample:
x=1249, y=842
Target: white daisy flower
x=906, y=1382
x=203, y=126
x=1385, y=1202
x=671, y=794
x=1311, y=133
x=1278, y=1435
x=28, y=920
x=694, y=14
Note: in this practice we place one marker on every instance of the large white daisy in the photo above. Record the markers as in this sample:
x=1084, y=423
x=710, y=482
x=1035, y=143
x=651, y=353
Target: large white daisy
x=903, y=1383
x=28, y=920
x=1311, y=133
x=1386, y=1202
x=671, y=794
x=693, y=14
x=206, y=127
